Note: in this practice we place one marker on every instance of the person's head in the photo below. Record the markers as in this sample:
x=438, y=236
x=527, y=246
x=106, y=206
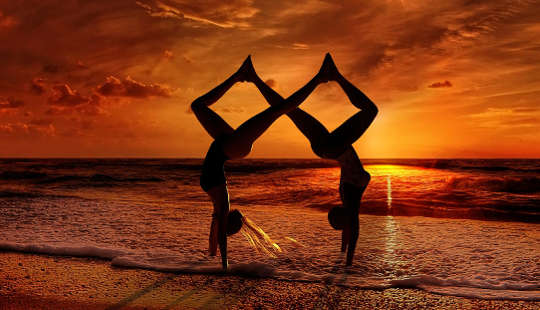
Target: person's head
x=234, y=222
x=337, y=217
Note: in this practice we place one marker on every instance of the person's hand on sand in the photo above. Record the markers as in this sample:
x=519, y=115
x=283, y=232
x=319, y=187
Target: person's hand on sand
x=246, y=72
x=329, y=71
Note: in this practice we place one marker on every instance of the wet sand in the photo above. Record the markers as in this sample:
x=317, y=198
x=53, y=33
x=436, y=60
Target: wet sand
x=47, y=282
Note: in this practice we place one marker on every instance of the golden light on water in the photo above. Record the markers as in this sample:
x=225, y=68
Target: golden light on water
x=389, y=191
x=380, y=170
x=295, y=242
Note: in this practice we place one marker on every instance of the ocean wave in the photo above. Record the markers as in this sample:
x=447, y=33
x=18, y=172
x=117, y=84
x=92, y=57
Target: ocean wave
x=98, y=178
x=31, y=194
x=21, y=175
x=168, y=261
x=300, y=197
x=503, y=212
x=487, y=165
x=18, y=194
x=64, y=250
x=508, y=184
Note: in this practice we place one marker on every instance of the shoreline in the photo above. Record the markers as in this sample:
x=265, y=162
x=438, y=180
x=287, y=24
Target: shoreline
x=36, y=281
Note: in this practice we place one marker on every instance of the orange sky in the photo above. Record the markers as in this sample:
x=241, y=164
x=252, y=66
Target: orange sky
x=115, y=78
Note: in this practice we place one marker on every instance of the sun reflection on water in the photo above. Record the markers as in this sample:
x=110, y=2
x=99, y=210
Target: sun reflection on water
x=389, y=191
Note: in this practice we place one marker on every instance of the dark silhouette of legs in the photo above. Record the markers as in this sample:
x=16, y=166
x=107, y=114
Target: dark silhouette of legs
x=332, y=145
x=237, y=143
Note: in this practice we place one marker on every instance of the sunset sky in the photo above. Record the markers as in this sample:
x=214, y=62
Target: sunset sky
x=116, y=78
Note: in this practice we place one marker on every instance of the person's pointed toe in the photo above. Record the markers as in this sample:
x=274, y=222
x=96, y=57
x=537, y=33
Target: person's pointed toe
x=328, y=59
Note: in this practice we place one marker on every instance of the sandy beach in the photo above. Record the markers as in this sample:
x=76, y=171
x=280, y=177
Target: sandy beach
x=30, y=281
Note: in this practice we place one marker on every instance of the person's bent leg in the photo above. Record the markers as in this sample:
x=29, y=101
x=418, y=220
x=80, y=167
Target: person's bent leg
x=310, y=127
x=353, y=128
x=238, y=144
x=210, y=120
x=349, y=132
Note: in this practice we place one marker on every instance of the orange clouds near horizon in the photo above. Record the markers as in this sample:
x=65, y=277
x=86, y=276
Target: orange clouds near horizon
x=115, y=78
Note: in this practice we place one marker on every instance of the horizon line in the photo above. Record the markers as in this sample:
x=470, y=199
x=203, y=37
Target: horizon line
x=258, y=158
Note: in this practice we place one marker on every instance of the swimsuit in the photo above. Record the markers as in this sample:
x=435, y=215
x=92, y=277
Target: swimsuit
x=212, y=173
x=354, y=179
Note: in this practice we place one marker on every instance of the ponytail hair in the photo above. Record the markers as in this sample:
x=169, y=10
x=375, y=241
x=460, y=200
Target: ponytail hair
x=255, y=236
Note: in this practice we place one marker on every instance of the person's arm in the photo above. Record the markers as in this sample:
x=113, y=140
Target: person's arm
x=345, y=233
x=352, y=238
x=218, y=228
x=271, y=96
x=222, y=239
x=275, y=99
x=312, y=129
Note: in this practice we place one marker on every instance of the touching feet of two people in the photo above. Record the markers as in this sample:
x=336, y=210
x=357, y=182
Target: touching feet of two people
x=232, y=143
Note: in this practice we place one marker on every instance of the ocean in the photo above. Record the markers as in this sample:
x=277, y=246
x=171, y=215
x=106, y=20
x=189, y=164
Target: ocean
x=464, y=227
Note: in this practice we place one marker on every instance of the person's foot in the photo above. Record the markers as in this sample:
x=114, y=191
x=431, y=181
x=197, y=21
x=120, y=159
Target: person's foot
x=246, y=72
x=328, y=71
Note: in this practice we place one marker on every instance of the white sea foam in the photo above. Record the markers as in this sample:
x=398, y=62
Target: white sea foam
x=63, y=249
x=169, y=262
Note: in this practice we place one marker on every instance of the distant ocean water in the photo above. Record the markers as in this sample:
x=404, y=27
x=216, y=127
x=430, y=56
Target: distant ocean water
x=151, y=213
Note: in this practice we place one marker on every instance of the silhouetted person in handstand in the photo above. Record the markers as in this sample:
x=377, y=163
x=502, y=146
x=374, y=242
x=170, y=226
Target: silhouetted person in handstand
x=336, y=145
x=232, y=143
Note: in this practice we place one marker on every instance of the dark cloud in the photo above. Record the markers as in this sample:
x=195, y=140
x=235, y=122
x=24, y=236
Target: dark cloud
x=225, y=14
x=41, y=122
x=271, y=82
x=10, y=103
x=66, y=66
x=7, y=21
x=58, y=111
x=37, y=86
x=167, y=54
x=128, y=87
x=63, y=96
x=440, y=84
x=27, y=129
x=85, y=109
x=51, y=68
x=93, y=108
x=81, y=42
x=81, y=65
